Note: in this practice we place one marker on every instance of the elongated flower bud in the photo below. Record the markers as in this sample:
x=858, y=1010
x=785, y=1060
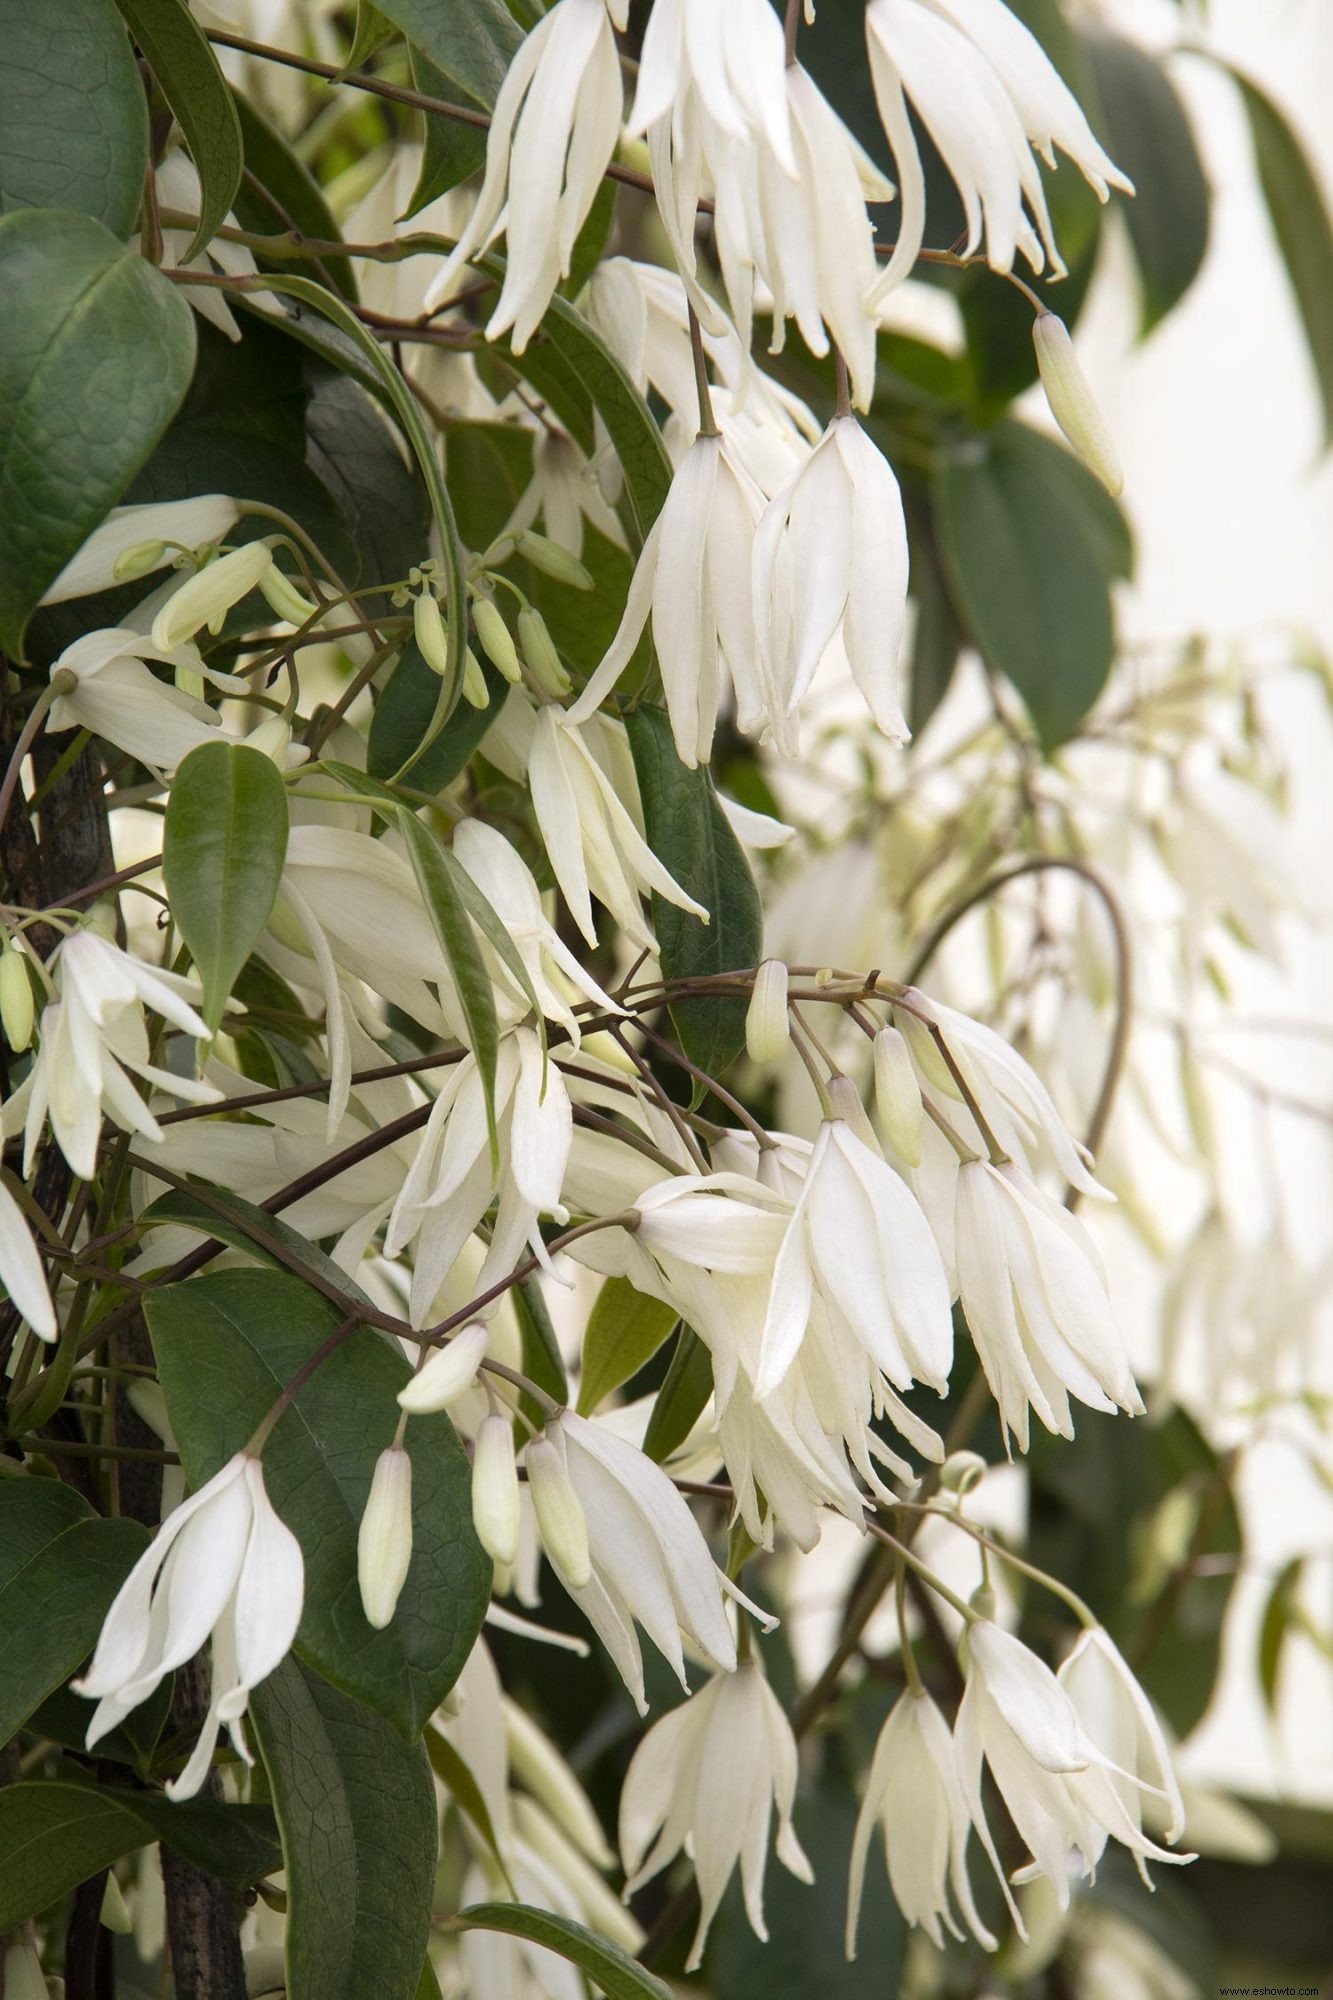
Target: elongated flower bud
x=1072, y=402
x=495, y=1494
x=16, y=1010
x=898, y=1096
x=114, y=1915
x=539, y=652
x=845, y=1102
x=207, y=597
x=450, y=1370
x=548, y=556
x=475, y=691
x=560, y=1517
x=281, y=594
x=428, y=628
x=495, y=639
x=131, y=563
x=384, y=1540
x=767, y=1029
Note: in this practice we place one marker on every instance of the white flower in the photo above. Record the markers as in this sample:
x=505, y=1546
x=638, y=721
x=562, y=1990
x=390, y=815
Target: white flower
x=21, y=1270
x=563, y=493
x=1119, y=1719
x=384, y=1538
x=830, y=578
x=987, y=93
x=1072, y=402
x=117, y=698
x=1032, y=1287
x=154, y=534
x=206, y=597
x=177, y=186
x=708, y=1776
x=689, y=577
x=223, y=1564
x=646, y=1558
x=447, y=1374
x=553, y=131
x=914, y=1795
x=1063, y=1795
x=90, y=1037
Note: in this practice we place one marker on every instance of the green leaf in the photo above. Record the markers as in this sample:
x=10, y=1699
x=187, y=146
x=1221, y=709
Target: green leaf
x=356, y=1809
x=689, y=832
x=625, y=1328
x=472, y=41
x=1030, y=545
x=373, y=30
x=436, y=878
x=1275, y=1627
x=1300, y=219
x=542, y=1360
x=60, y=1567
x=355, y=456
x=73, y=115
x=223, y=851
x=217, y=1212
x=591, y=241
x=453, y=151
x=936, y=638
x=188, y=73
x=681, y=1398
x=279, y=193
x=96, y=349
x=226, y=1345
x=54, y=1836
x=1147, y=132
x=611, y=1970
x=403, y=717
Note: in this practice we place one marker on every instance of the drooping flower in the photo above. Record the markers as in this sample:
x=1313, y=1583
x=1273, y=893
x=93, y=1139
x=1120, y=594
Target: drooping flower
x=830, y=579
x=144, y=537
x=116, y=697
x=1119, y=1718
x=987, y=93
x=224, y=1564
x=21, y=1271
x=205, y=598
x=553, y=131
x=709, y=1776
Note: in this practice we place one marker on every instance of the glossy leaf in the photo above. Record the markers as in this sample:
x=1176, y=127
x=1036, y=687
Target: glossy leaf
x=356, y=458
x=356, y=1810
x=689, y=832
x=611, y=1969
x=190, y=78
x=96, y=349
x=402, y=722
x=452, y=150
x=471, y=41
x=219, y=1213
x=625, y=1329
x=681, y=1398
x=226, y=1345
x=542, y=1360
x=73, y=115
x=223, y=851
x=60, y=1567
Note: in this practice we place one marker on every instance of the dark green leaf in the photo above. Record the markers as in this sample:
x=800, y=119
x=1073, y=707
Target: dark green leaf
x=436, y=880
x=279, y=193
x=96, y=349
x=187, y=71
x=1301, y=224
x=403, y=717
x=611, y=1970
x=356, y=1809
x=625, y=1328
x=1029, y=554
x=54, y=1836
x=453, y=151
x=1147, y=132
x=689, y=832
x=936, y=638
x=472, y=41
x=681, y=1398
x=226, y=1345
x=373, y=30
x=223, y=851
x=73, y=114
x=1276, y=1627
x=60, y=1567
x=219, y=1213
x=591, y=241
x=542, y=1361
x=353, y=453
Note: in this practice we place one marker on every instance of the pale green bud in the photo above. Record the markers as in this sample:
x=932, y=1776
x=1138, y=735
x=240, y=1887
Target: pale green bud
x=475, y=690
x=207, y=597
x=384, y=1540
x=494, y=635
x=16, y=1004
x=430, y=633
x=1072, y=402
x=138, y=560
x=496, y=1510
x=282, y=596
x=767, y=1028
x=561, y=1521
x=450, y=1370
x=898, y=1096
x=554, y=561
x=114, y=1915
x=539, y=652
x=926, y=1054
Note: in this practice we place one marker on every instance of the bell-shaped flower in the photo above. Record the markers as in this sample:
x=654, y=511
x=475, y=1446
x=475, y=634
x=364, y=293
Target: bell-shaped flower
x=914, y=1796
x=1035, y=1296
x=1119, y=1718
x=223, y=1564
x=830, y=579
x=21, y=1271
x=134, y=541
x=116, y=696
x=552, y=134
x=645, y=1557
x=205, y=598
x=987, y=93
x=90, y=1037
x=708, y=1777
x=1062, y=1793
x=690, y=580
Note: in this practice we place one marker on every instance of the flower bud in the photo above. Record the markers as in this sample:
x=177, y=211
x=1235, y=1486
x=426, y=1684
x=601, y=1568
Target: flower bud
x=560, y=1518
x=384, y=1540
x=556, y=562
x=207, y=597
x=494, y=637
x=898, y=1096
x=282, y=596
x=273, y=739
x=475, y=691
x=24, y=1979
x=114, y=1915
x=539, y=652
x=925, y=1053
x=450, y=1370
x=845, y=1103
x=16, y=1008
x=137, y=561
x=1072, y=403
x=767, y=1029
x=962, y=1471
x=429, y=630
x=495, y=1494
